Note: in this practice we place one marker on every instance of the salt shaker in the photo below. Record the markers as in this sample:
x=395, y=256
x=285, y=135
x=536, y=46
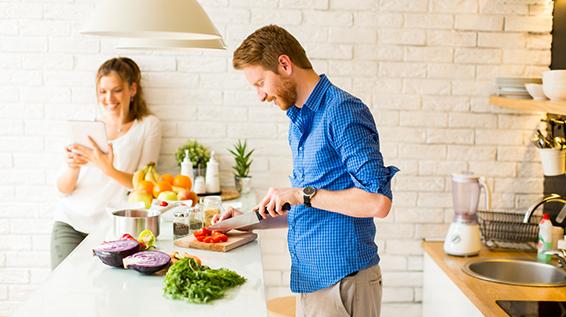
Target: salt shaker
x=199, y=187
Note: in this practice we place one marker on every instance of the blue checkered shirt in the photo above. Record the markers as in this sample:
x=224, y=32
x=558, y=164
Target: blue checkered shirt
x=335, y=146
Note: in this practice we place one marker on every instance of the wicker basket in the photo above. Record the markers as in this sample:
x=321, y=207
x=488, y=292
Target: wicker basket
x=505, y=230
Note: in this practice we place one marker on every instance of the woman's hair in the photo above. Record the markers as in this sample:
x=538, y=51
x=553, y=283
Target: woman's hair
x=129, y=72
x=265, y=45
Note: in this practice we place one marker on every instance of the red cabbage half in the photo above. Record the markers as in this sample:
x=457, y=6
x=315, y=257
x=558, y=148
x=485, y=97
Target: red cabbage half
x=113, y=252
x=147, y=262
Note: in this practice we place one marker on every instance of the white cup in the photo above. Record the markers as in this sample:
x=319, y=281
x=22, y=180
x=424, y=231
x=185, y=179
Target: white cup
x=553, y=161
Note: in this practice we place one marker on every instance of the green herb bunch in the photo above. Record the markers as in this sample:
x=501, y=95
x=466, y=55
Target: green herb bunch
x=242, y=157
x=198, y=284
x=198, y=153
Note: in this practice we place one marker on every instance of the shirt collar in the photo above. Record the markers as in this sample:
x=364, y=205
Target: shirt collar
x=314, y=99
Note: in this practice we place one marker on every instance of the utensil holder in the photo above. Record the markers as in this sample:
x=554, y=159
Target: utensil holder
x=553, y=161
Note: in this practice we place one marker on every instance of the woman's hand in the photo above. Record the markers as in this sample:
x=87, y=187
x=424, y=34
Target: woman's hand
x=94, y=155
x=74, y=159
x=275, y=199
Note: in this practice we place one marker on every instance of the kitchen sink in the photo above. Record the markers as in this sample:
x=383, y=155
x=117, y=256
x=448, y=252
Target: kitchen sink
x=517, y=272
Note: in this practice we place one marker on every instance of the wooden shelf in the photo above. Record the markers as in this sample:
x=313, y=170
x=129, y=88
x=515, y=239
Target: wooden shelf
x=530, y=104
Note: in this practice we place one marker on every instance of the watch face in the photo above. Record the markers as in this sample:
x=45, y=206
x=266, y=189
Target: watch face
x=309, y=190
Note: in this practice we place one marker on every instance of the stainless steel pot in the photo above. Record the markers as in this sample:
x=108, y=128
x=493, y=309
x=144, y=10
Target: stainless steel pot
x=134, y=221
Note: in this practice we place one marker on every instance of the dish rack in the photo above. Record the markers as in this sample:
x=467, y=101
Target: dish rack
x=506, y=230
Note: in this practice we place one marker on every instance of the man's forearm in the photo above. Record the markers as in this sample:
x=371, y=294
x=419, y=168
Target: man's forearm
x=352, y=202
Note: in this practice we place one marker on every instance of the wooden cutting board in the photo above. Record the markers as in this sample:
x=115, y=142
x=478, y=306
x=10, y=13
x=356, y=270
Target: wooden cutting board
x=235, y=239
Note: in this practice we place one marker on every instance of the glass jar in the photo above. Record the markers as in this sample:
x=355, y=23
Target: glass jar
x=194, y=215
x=212, y=205
x=180, y=225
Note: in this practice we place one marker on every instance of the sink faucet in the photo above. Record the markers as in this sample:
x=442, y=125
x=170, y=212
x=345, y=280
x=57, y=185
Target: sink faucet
x=549, y=198
x=560, y=254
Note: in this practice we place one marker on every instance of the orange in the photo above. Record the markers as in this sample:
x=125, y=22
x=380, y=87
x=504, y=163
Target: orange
x=183, y=181
x=166, y=178
x=146, y=186
x=193, y=196
x=161, y=187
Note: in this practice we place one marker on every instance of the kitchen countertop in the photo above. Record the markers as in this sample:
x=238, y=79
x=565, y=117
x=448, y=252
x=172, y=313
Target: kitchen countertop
x=83, y=286
x=483, y=294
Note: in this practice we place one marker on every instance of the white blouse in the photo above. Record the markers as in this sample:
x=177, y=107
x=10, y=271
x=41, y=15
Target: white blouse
x=85, y=207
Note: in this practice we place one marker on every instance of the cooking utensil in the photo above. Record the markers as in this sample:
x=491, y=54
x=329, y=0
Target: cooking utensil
x=134, y=221
x=243, y=220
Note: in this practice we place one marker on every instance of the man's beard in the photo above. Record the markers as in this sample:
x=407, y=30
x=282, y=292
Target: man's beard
x=286, y=94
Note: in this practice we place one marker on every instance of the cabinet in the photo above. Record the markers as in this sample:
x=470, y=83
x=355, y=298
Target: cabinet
x=441, y=297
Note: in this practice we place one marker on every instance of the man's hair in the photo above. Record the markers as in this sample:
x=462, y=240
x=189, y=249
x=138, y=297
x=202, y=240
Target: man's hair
x=265, y=45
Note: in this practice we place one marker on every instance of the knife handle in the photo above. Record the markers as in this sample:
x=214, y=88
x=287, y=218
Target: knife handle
x=285, y=207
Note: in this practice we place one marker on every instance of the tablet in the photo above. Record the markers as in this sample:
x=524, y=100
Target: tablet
x=81, y=130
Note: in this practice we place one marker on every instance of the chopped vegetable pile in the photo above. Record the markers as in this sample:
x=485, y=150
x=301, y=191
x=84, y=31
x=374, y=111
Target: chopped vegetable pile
x=198, y=284
x=208, y=236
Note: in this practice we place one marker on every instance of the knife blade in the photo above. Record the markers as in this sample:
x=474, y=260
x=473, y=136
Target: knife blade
x=243, y=220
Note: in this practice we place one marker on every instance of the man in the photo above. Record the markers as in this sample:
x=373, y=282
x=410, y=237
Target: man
x=339, y=181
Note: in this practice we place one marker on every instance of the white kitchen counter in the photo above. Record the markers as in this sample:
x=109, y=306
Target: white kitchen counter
x=83, y=286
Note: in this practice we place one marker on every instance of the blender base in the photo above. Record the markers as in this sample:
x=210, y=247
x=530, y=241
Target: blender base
x=463, y=239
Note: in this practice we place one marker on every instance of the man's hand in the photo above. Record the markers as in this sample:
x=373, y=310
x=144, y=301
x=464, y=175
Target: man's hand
x=276, y=198
x=231, y=212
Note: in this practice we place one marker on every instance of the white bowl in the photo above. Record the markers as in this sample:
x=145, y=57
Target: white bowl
x=535, y=90
x=554, y=75
x=555, y=91
x=554, y=84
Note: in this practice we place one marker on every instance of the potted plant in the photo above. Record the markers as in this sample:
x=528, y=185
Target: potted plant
x=243, y=161
x=198, y=154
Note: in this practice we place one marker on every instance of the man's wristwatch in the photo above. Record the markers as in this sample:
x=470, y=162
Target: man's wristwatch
x=308, y=194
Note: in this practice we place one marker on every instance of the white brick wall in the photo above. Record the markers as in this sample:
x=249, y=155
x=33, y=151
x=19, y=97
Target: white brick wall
x=424, y=67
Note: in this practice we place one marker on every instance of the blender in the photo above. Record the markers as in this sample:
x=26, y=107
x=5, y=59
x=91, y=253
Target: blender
x=463, y=237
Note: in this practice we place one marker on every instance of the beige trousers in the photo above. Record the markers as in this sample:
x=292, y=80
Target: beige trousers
x=355, y=296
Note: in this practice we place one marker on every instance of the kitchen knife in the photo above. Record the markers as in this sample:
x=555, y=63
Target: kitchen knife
x=243, y=220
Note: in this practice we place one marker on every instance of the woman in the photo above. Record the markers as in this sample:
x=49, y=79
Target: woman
x=94, y=180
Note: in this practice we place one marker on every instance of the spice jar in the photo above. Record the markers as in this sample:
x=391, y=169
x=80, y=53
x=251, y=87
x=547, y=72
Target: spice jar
x=180, y=225
x=212, y=205
x=194, y=216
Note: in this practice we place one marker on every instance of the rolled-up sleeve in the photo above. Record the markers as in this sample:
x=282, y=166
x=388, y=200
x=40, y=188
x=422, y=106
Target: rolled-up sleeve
x=353, y=132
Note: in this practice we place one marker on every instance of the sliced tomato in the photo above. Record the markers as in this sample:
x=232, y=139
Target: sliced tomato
x=208, y=240
x=206, y=231
x=200, y=238
x=223, y=238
